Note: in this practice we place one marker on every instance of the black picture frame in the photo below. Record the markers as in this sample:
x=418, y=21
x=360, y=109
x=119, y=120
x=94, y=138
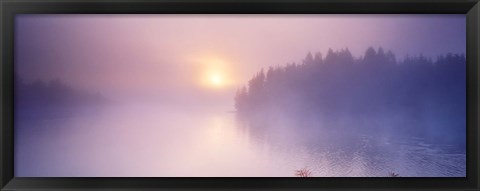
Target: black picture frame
x=9, y=8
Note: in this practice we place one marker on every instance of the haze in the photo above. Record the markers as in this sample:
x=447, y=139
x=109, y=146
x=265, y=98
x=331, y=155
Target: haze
x=155, y=54
x=219, y=95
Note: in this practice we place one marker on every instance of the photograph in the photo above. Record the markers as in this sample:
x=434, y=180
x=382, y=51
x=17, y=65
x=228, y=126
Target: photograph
x=240, y=95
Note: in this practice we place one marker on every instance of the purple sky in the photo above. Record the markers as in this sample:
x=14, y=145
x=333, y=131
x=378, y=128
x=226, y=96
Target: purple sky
x=132, y=53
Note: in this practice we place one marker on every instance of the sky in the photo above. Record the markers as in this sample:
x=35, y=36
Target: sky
x=208, y=56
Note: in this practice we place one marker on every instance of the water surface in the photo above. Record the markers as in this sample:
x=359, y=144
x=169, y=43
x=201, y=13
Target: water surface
x=138, y=140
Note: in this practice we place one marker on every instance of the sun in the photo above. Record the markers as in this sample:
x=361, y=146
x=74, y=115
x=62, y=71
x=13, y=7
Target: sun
x=216, y=80
x=214, y=72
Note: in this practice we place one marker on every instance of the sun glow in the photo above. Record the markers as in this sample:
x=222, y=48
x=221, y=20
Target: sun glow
x=215, y=73
x=216, y=80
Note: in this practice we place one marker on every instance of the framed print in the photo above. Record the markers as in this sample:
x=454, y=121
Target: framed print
x=251, y=95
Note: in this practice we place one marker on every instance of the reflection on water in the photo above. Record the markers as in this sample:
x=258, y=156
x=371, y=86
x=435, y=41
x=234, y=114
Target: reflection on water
x=160, y=141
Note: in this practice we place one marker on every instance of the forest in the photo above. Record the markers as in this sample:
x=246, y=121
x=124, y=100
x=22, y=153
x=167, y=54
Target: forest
x=416, y=94
x=51, y=98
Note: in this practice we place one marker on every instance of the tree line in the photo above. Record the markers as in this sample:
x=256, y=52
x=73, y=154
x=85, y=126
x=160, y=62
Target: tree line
x=41, y=98
x=369, y=86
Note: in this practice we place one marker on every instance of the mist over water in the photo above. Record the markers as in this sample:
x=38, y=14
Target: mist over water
x=230, y=96
x=282, y=123
x=159, y=140
x=141, y=140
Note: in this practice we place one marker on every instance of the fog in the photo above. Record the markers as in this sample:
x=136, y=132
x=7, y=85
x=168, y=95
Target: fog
x=240, y=95
x=126, y=54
